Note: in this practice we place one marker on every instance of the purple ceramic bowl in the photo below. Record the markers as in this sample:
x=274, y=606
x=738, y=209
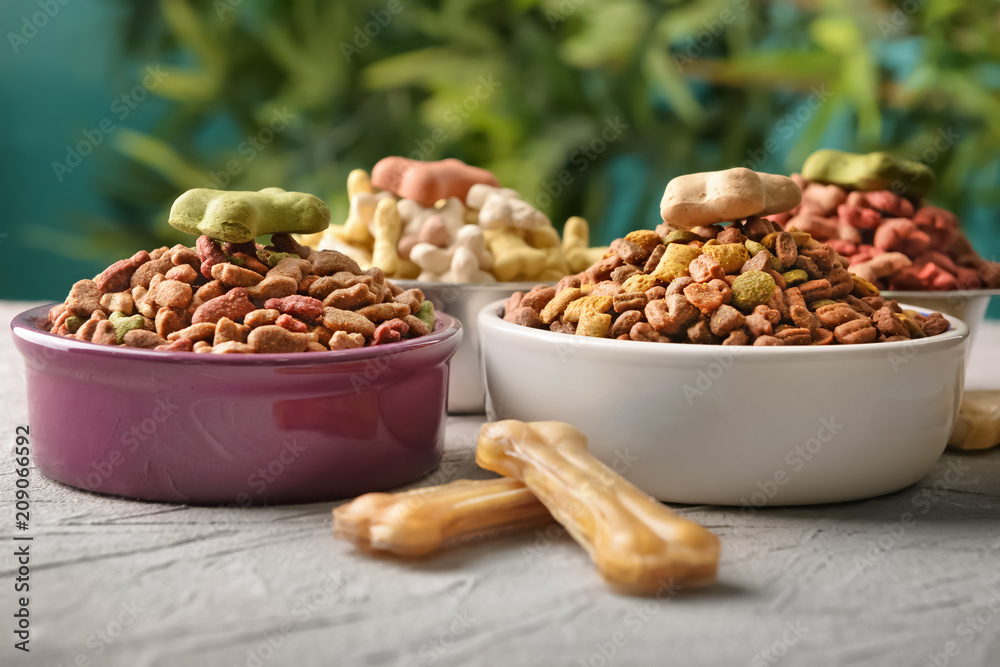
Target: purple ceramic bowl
x=235, y=429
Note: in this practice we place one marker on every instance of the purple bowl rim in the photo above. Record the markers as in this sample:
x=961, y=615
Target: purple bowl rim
x=24, y=326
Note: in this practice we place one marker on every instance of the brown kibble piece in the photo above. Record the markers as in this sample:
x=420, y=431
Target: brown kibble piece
x=887, y=323
x=182, y=273
x=168, y=320
x=272, y=287
x=382, y=312
x=935, y=324
x=118, y=276
x=84, y=298
x=526, y=317
x=352, y=298
x=767, y=340
x=795, y=336
x=271, y=339
x=145, y=272
x=623, y=325
x=143, y=339
x=196, y=332
x=855, y=332
x=171, y=294
x=725, y=320
x=226, y=331
x=341, y=340
x=260, y=317
x=236, y=276
x=104, y=333
x=350, y=321
x=234, y=304
x=231, y=347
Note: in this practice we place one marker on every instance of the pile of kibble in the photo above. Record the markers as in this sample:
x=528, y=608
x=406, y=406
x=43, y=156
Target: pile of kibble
x=749, y=283
x=895, y=242
x=241, y=298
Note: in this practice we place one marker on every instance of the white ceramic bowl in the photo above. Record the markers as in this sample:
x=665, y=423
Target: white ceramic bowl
x=748, y=426
x=967, y=305
x=466, y=390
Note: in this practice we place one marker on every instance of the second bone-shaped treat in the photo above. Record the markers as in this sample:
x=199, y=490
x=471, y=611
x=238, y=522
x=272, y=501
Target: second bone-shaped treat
x=420, y=521
x=638, y=544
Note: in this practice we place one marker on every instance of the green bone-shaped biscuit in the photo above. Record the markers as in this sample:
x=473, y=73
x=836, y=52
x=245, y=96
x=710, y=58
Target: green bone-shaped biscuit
x=871, y=171
x=238, y=217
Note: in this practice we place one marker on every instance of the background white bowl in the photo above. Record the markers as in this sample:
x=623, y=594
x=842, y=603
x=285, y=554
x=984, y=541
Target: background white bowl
x=466, y=389
x=747, y=426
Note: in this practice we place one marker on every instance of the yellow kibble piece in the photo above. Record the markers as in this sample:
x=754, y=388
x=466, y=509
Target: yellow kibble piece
x=592, y=303
x=731, y=256
x=669, y=270
x=593, y=324
x=639, y=282
x=554, y=308
x=646, y=239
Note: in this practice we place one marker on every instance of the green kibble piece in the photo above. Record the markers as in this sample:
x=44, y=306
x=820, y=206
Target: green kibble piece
x=123, y=324
x=272, y=258
x=795, y=276
x=754, y=247
x=73, y=323
x=751, y=289
x=238, y=261
x=681, y=236
x=816, y=305
x=426, y=314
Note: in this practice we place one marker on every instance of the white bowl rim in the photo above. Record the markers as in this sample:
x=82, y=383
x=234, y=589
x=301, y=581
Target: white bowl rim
x=959, y=331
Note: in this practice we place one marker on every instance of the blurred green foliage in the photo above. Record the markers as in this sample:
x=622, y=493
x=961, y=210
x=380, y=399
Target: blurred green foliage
x=527, y=88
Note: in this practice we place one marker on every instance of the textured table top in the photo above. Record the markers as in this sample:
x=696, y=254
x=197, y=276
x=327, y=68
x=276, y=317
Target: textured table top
x=117, y=582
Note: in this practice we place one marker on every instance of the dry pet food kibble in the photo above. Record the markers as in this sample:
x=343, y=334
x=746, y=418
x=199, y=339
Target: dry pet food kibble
x=871, y=209
x=229, y=294
x=748, y=283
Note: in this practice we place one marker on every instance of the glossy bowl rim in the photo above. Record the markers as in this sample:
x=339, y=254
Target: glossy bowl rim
x=24, y=326
x=959, y=332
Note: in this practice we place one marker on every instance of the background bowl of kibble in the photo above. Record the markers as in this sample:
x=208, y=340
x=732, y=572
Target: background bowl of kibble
x=737, y=425
x=235, y=428
x=466, y=388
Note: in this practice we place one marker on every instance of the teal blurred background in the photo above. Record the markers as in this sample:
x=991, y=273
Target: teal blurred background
x=588, y=107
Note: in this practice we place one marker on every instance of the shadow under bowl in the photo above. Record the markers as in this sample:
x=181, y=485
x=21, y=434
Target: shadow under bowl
x=235, y=429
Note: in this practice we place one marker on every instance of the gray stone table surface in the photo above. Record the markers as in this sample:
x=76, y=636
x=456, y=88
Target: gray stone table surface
x=117, y=582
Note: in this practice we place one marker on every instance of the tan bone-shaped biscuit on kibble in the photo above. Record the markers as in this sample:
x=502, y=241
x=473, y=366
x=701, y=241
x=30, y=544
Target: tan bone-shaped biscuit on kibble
x=734, y=194
x=637, y=544
x=420, y=521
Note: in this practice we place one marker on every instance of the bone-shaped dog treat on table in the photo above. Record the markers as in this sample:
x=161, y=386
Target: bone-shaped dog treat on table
x=637, y=544
x=421, y=521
